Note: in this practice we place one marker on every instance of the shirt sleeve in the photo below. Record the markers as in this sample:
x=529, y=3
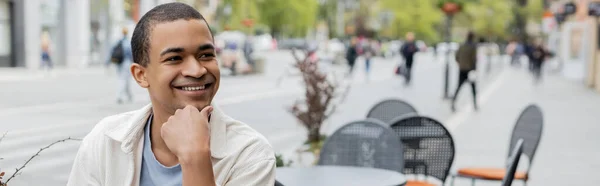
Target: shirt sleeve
x=259, y=173
x=83, y=170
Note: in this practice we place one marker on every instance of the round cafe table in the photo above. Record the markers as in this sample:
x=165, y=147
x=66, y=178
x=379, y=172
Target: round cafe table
x=338, y=175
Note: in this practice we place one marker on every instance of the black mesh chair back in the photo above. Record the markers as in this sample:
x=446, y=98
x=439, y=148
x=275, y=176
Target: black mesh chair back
x=529, y=128
x=513, y=163
x=366, y=143
x=278, y=183
x=389, y=109
x=428, y=146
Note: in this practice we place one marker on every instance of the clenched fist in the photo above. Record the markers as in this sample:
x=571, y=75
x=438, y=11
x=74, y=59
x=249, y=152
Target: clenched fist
x=186, y=133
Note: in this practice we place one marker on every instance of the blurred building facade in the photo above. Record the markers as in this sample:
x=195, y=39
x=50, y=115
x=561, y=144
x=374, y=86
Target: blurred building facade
x=81, y=32
x=578, y=39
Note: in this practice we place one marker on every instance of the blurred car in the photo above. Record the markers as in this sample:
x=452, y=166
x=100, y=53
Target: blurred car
x=262, y=42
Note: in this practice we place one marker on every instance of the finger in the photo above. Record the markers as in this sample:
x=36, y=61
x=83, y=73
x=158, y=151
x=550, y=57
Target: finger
x=163, y=131
x=206, y=111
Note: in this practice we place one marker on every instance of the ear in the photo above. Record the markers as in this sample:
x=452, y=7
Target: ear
x=139, y=74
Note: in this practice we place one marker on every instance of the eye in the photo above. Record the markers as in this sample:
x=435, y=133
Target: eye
x=174, y=58
x=207, y=56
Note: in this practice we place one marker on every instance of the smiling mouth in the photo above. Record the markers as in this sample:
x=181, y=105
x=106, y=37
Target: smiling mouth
x=194, y=88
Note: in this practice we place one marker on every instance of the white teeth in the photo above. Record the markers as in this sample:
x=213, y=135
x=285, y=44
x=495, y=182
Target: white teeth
x=193, y=88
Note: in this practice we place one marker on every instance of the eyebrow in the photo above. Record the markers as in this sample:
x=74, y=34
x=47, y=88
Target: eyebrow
x=206, y=47
x=172, y=50
x=179, y=49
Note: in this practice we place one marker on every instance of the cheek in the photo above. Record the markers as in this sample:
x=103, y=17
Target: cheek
x=161, y=81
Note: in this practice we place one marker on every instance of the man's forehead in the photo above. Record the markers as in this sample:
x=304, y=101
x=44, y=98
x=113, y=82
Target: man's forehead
x=172, y=26
x=167, y=32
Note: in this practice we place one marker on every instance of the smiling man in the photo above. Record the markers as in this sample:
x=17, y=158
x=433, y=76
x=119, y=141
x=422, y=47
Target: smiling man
x=180, y=138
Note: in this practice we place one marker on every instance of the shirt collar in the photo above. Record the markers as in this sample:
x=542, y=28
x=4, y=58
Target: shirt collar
x=132, y=130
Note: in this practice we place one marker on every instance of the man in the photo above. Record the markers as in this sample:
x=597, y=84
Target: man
x=408, y=51
x=180, y=138
x=352, y=54
x=123, y=64
x=466, y=56
x=248, y=50
x=537, y=55
x=46, y=59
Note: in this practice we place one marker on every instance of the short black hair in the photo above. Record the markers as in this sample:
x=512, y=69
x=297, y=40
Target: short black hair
x=140, y=41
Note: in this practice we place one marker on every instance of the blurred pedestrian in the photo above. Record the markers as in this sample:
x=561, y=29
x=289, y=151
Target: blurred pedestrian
x=122, y=57
x=248, y=50
x=46, y=60
x=408, y=51
x=537, y=55
x=368, y=52
x=352, y=54
x=466, y=56
x=513, y=52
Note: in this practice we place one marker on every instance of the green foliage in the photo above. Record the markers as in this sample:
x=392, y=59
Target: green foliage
x=534, y=10
x=280, y=162
x=327, y=13
x=422, y=17
x=489, y=18
x=292, y=18
x=241, y=10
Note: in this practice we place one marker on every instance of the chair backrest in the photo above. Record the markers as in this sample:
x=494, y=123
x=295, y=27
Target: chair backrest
x=365, y=143
x=513, y=163
x=529, y=127
x=278, y=183
x=389, y=109
x=428, y=146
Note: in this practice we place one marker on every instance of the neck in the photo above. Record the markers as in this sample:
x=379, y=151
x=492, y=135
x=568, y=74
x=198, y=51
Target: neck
x=159, y=147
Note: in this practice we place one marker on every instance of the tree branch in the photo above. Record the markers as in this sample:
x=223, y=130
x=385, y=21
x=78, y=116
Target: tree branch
x=3, y=135
x=1, y=138
x=18, y=170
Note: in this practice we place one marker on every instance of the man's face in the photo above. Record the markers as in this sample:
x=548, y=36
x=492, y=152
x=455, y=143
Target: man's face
x=183, y=68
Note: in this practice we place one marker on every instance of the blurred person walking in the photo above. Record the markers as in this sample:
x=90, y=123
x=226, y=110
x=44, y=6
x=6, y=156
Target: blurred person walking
x=512, y=49
x=408, y=51
x=466, y=56
x=351, y=55
x=368, y=53
x=122, y=57
x=537, y=54
x=46, y=60
x=248, y=50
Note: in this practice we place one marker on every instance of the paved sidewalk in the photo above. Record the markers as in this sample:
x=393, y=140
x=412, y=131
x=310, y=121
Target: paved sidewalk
x=20, y=74
x=568, y=151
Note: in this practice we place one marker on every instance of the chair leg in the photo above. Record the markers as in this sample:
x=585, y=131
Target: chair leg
x=451, y=180
x=472, y=182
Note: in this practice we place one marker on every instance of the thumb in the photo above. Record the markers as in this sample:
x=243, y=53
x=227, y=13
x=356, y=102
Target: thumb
x=206, y=111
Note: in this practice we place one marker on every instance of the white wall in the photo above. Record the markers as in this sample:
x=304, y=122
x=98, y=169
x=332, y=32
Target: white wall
x=32, y=29
x=77, y=28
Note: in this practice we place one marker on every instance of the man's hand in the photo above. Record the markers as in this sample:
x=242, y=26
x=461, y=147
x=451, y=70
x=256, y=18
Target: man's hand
x=186, y=133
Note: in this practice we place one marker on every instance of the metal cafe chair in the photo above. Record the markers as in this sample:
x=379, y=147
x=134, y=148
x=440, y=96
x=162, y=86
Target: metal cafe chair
x=529, y=128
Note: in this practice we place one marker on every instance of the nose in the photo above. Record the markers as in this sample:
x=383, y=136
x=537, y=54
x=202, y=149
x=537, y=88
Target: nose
x=193, y=68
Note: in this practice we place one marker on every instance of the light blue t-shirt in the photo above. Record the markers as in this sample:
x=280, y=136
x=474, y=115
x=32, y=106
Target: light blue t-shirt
x=154, y=173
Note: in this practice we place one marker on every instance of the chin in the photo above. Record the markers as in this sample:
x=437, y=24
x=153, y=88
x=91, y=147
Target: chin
x=199, y=105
